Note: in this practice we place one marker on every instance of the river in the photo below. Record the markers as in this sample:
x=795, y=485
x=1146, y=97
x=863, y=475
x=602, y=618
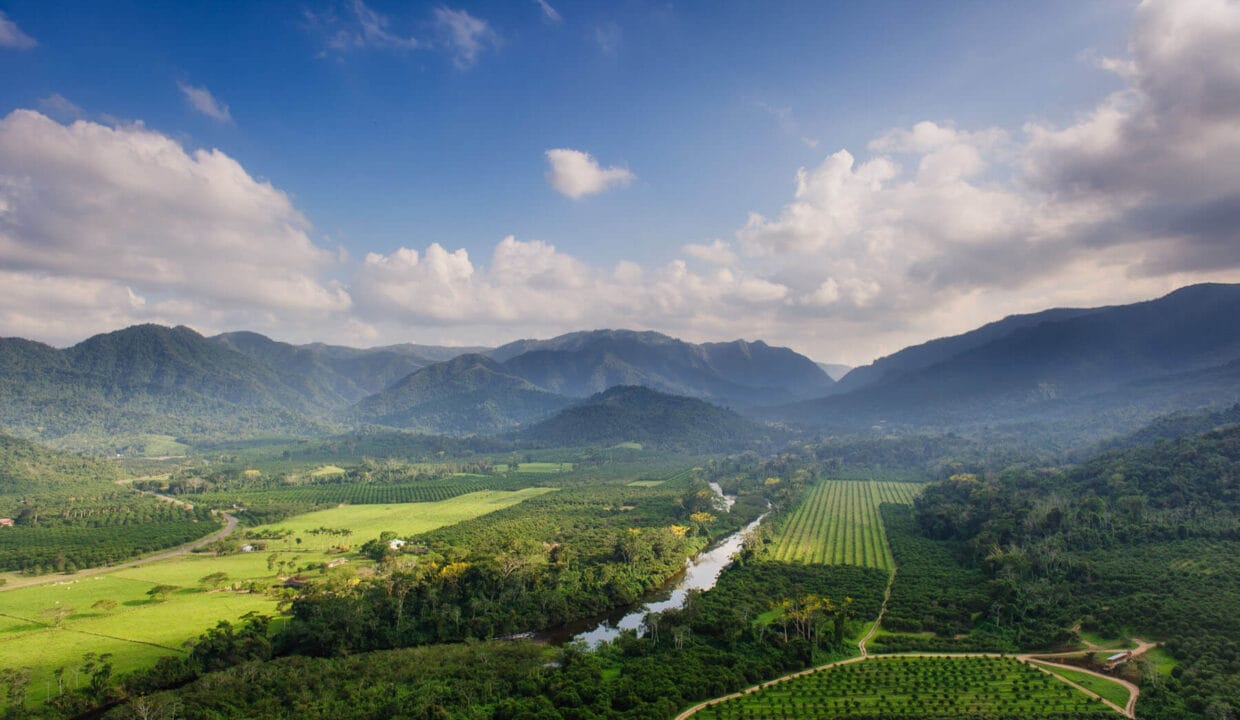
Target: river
x=701, y=573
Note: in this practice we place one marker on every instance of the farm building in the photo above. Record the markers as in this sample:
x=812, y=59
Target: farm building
x=6, y=522
x=396, y=544
x=1118, y=659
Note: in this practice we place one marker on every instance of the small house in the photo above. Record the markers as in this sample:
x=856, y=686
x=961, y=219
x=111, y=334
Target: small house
x=6, y=522
x=247, y=548
x=1118, y=659
x=396, y=544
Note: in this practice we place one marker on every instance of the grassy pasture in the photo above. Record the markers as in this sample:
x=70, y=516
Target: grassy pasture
x=1108, y=689
x=923, y=688
x=646, y=483
x=368, y=521
x=838, y=523
x=138, y=629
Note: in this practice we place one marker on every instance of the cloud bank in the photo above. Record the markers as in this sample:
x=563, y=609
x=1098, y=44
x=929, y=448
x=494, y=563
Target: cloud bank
x=928, y=230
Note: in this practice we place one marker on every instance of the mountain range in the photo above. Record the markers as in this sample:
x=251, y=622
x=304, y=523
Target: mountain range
x=1061, y=367
x=1177, y=352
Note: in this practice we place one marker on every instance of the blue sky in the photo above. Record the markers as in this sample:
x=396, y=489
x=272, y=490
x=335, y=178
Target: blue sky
x=389, y=126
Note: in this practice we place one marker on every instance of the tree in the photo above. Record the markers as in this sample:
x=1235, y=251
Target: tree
x=213, y=581
x=57, y=614
x=160, y=593
x=106, y=605
x=16, y=682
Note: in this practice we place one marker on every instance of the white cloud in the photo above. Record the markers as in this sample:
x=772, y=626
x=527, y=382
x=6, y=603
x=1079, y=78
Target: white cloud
x=111, y=208
x=550, y=14
x=12, y=36
x=717, y=252
x=204, y=102
x=466, y=35
x=575, y=174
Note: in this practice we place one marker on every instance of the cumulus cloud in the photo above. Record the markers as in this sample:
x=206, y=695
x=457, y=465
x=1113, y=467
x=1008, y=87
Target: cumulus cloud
x=465, y=35
x=575, y=174
x=927, y=230
x=717, y=252
x=201, y=99
x=129, y=209
x=12, y=36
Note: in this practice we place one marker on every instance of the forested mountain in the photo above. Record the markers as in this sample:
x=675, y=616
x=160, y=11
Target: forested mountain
x=731, y=373
x=352, y=373
x=1139, y=360
x=147, y=379
x=638, y=414
x=466, y=395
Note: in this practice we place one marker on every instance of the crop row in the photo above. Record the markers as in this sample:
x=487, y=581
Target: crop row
x=839, y=523
x=357, y=494
x=915, y=687
x=38, y=550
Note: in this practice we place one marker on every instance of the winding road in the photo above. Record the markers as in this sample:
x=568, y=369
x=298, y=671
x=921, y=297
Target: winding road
x=230, y=524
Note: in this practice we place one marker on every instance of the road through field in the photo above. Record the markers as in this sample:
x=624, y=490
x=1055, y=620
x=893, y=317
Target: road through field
x=230, y=524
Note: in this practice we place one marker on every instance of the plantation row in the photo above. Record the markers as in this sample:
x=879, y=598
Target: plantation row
x=905, y=687
x=838, y=523
x=38, y=550
x=359, y=494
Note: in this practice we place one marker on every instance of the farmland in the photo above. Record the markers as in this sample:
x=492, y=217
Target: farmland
x=838, y=523
x=331, y=494
x=53, y=626
x=925, y=688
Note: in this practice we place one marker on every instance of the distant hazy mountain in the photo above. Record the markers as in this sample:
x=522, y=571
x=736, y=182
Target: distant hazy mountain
x=350, y=373
x=732, y=373
x=655, y=419
x=1152, y=356
x=466, y=395
x=835, y=371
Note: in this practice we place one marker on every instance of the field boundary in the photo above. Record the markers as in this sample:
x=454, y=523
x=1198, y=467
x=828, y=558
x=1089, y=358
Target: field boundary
x=1026, y=658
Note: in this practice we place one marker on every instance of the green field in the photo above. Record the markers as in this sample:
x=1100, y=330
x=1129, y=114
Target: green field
x=138, y=629
x=838, y=523
x=921, y=688
x=646, y=483
x=1108, y=689
x=367, y=521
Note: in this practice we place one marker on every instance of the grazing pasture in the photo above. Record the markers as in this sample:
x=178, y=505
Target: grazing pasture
x=838, y=523
x=925, y=688
x=46, y=627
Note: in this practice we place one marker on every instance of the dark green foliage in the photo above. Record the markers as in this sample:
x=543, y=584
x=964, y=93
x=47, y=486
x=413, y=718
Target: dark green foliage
x=1141, y=541
x=654, y=419
x=933, y=591
x=69, y=514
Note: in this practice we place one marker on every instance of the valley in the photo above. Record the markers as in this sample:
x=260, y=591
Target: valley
x=578, y=528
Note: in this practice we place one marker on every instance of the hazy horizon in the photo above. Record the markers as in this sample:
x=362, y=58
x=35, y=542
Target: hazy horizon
x=842, y=180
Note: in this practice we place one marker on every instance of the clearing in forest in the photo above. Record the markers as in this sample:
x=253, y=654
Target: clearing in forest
x=927, y=688
x=838, y=523
x=46, y=627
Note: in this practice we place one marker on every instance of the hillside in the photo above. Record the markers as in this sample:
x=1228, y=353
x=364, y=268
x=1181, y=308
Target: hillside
x=146, y=379
x=350, y=373
x=470, y=394
x=27, y=468
x=733, y=373
x=654, y=419
x=1135, y=361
